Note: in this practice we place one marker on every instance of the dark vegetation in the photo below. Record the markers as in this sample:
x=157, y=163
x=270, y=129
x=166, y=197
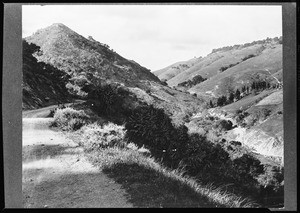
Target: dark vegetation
x=190, y=83
x=222, y=69
x=247, y=57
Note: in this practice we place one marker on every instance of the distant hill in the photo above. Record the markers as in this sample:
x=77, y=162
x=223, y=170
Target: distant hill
x=174, y=69
x=42, y=83
x=243, y=63
x=85, y=59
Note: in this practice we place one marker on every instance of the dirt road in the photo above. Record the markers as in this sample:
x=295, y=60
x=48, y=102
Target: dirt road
x=56, y=173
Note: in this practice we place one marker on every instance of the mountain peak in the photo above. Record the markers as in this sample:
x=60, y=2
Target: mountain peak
x=58, y=25
x=66, y=50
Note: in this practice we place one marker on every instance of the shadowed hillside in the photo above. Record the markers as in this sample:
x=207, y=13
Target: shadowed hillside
x=42, y=83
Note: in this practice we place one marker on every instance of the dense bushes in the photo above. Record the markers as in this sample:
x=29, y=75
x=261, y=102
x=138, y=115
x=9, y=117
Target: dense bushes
x=95, y=137
x=69, y=119
x=223, y=125
x=153, y=128
x=247, y=167
x=107, y=98
x=204, y=159
x=195, y=80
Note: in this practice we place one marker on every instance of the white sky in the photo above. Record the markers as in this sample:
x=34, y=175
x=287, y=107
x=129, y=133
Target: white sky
x=156, y=36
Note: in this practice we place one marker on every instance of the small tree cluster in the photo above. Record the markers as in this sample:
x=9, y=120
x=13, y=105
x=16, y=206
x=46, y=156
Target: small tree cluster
x=260, y=85
x=195, y=80
x=222, y=69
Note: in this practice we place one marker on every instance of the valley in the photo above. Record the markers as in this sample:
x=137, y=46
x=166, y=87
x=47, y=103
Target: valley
x=211, y=127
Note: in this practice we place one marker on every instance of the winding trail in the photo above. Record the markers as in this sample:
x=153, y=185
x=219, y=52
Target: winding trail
x=56, y=173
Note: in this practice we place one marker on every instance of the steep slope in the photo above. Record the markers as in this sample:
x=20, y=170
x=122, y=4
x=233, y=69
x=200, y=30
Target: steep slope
x=174, y=69
x=85, y=59
x=42, y=83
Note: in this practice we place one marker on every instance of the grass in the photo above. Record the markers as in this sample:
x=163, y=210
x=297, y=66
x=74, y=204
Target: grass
x=152, y=185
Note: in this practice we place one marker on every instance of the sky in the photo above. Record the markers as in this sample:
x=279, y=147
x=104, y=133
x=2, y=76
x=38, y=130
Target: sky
x=156, y=36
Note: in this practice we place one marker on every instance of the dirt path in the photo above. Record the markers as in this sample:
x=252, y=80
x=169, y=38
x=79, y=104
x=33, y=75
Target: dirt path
x=43, y=112
x=57, y=175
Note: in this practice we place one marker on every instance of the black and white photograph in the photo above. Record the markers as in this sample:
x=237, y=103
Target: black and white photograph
x=152, y=106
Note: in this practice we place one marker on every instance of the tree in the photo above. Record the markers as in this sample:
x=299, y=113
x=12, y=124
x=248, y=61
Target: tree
x=231, y=97
x=247, y=89
x=211, y=104
x=243, y=89
x=220, y=101
x=253, y=86
x=237, y=94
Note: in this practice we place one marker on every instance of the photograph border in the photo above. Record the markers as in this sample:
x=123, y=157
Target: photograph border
x=12, y=103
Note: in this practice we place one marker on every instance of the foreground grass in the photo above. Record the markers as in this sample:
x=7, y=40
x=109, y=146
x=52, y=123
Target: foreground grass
x=152, y=185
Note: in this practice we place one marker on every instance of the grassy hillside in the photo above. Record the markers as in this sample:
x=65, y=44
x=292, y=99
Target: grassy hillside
x=243, y=63
x=85, y=59
x=173, y=70
x=259, y=67
x=42, y=83
x=211, y=64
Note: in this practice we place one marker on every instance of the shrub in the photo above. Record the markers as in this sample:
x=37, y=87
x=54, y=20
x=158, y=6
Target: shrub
x=223, y=125
x=153, y=128
x=70, y=119
x=247, y=167
x=204, y=158
x=107, y=98
x=95, y=137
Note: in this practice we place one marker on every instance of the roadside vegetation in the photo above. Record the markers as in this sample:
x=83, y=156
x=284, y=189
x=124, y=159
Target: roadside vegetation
x=146, y=176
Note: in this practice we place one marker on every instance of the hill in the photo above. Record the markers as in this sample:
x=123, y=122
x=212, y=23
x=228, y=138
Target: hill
x=242, y=63
x=85, y=59
x=42, y=83
x=171, y=71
